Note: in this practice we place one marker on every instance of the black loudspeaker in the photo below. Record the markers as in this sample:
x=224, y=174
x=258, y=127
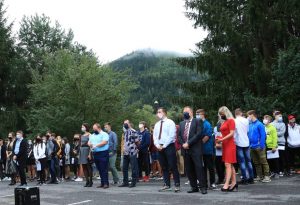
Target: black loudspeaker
x=27, y=196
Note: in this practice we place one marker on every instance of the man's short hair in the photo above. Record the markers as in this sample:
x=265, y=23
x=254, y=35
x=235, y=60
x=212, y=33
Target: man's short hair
x=98, y=125
x=164, y=110
x=268, y=117
x=238, y=111
x=107, y=123
x=252, y=112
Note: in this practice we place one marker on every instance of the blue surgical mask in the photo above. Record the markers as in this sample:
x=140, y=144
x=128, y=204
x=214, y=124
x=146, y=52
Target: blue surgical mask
x=198, y=116
x=280, y=119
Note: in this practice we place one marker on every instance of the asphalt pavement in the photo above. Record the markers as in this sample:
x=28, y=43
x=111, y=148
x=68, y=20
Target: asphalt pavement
x=285, y=190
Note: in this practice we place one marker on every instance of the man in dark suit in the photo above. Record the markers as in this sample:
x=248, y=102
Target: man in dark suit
x=20, y=155
x=190, y=138
x=2, y=158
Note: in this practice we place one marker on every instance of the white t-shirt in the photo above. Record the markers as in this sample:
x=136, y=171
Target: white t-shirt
x=241, y=132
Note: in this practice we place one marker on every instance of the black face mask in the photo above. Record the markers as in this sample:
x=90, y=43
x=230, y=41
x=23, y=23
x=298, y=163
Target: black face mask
x=186, y=116
x=96, y=132
x=223, y=117
x=10, y=138
x=126, y=126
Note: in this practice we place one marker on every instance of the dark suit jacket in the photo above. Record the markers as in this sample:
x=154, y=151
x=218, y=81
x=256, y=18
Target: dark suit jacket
x=194, y=138
x=22, y=155
x=3, y=153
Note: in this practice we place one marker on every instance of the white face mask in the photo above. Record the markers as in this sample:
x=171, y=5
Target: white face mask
x=83, y=129
x=19, y=136
x=249, y=119
x=160, y=115
x=198, y=116
x=265, y=121
x=141, y=126
x=279, y=119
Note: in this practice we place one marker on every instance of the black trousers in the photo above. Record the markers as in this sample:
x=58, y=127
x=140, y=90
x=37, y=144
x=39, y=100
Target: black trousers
x=2, y=167
x=292, y=153
x=283, y=161
x=220, y=167
x=193, y=164
x=144, y=163
x=42, y=173
x=21, y=169
x=209, y=166
x=168, y=162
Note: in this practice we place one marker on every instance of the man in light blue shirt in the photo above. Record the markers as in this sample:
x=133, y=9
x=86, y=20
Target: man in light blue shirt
x=99, y=143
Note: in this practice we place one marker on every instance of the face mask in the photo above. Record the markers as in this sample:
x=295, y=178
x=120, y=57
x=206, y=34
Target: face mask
x=96, y=132
x=10, y=138
x=186, y=115
x=126, y=126
x=141, y=126
x=198, y=116
x=19, y=136
x=160, y=115
x=44, y=141
x=249, y=119
x=223, y=117
x=292, y=124
x=83, y=129
x=265, y=121
x=280, y=119
x=30, y=142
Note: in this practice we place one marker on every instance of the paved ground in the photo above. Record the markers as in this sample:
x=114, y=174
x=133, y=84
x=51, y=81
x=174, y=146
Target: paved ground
x=281, y=191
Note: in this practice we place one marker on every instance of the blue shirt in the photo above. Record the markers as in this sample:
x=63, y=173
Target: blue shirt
x=113, y=142
x=145, y=141
x=17, y=147
x=257, y=135
x=208, y=146
x=97, y=139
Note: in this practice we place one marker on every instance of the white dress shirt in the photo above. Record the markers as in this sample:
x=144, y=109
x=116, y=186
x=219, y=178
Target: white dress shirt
x=241, y=132
x=39, y=151
x=168, y=133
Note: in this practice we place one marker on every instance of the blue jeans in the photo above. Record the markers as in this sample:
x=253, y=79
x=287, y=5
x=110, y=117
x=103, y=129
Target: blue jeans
x=245, y=162
x=101, y=161
x=52, y=164
x=132, y=160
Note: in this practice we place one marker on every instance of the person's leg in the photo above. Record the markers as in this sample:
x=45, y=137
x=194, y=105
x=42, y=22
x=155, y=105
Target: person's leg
x=147, y=164
x=219, y=169
x=104, y=160
x=256, y=160
x=134, y=169
x=1, y=170
x=90, y=173
x=43, y=171
x=21, y=170
x=164, y=166
x=211, y=169
x=228, y=174
x=86, y=175
x=233, y=176
x=197, y=166
x=97, y=163
x=190, y=171
x=112, y=167
x=205, y=167
x=52, y=170
x=242, y=161
x=172, y=161
x=248, y=163
x=263, y=162
x=140, y=165
x=125, y=166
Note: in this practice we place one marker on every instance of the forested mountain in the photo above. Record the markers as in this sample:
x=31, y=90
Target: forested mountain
x=159, y=76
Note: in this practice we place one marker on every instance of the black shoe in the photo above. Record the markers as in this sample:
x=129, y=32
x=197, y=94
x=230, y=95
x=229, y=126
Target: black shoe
x=203, y=191
x=87, y=184
x=250, y=181
x=193, y=191
x=236, y=186
x=12, y=184
x=90, y=184
x=53, y=182
x=131, y=185
x=123, y=185
x=225, y=190
x=22, y=185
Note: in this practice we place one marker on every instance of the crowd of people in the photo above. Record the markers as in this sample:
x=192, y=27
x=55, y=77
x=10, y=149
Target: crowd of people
x=262, y=151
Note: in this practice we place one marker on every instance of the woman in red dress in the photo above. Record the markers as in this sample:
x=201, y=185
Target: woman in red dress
x=229, y=148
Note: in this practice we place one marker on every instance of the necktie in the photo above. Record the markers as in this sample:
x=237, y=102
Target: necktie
x=160, y=130
x=186, y=131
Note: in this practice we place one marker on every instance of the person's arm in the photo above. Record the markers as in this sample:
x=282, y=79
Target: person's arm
x=171, y=134
x=104, y=141
x=281, y=130
x=179, y=137
x=155, y=136
x=198, y=135
x=147, y=140
x=115, y=138
x=262, y=136
x=231, y=125
x=206, y=134
x=275, y=139
x=35, y=152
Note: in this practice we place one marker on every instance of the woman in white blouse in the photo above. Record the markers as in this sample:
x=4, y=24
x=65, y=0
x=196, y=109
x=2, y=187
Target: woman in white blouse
x=39, y=151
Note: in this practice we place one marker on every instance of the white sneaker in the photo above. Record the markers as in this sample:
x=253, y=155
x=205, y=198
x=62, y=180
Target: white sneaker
x=6, y=179
x=281, y=174
x=79, y=179
x=187, y=183
x=98, y=178
x=266, y=179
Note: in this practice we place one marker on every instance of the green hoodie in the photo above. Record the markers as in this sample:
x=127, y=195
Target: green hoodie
x=272, y=138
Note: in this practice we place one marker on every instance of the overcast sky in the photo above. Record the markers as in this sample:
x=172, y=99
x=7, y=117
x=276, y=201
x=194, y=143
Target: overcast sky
x=113, y=28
